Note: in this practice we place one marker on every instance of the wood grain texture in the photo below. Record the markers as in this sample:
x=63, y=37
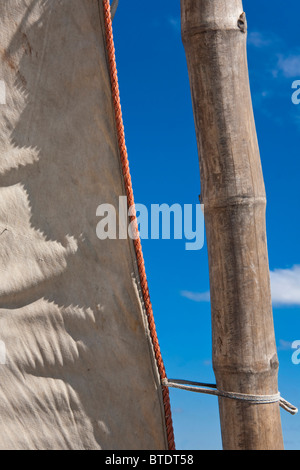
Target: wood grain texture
x=233, y=193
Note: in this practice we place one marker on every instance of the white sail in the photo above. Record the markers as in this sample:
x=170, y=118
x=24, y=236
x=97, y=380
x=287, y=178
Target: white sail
x=79, y=369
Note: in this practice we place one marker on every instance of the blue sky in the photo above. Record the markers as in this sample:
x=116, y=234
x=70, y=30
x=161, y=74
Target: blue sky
x=163, y=157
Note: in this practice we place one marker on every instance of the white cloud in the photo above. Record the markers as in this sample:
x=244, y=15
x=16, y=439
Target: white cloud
x=177, y=410
x=257, y=39
x=284, y=345
x=175, y=23
x=207, y=363
x=285, y=284
x=289, y=66
x=196, y=296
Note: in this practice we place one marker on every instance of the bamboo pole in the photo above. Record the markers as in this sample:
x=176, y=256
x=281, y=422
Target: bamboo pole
x=233, y=193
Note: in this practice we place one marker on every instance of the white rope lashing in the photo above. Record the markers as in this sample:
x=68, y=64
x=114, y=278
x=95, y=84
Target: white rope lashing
x=211, y=389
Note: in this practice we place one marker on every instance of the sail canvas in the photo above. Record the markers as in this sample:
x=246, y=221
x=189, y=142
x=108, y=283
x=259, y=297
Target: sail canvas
x=80, y=370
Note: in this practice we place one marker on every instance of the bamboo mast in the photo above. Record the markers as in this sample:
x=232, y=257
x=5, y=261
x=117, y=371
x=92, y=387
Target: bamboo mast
x=233, y=194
